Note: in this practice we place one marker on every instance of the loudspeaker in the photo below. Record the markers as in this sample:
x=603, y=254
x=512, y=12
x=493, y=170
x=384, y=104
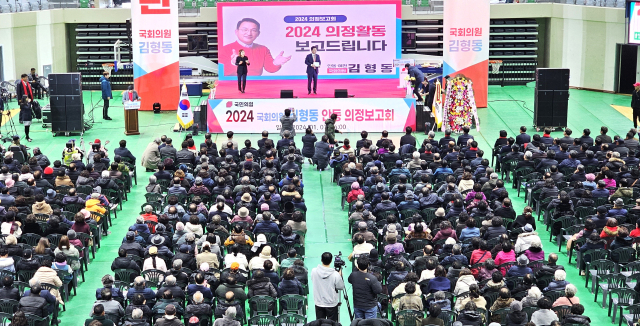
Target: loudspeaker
x=65, y=84
x=67, y=110
x=551, y=97
x=286, y=93
x=57, y=103
x=552, y=78
x=203, y=116
x=341, y=93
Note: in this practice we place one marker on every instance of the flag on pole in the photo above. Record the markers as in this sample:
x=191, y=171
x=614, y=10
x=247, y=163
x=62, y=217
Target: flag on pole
x=185, y=115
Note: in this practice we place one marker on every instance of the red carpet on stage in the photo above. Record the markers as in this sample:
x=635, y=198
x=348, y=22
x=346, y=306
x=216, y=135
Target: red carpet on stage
x=360, y=88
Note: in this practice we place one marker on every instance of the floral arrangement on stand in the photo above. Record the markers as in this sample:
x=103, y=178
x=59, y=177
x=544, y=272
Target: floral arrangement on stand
x=459, y=105
x=212, y=84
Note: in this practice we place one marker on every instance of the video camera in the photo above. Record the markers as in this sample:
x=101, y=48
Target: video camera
x=338, y=262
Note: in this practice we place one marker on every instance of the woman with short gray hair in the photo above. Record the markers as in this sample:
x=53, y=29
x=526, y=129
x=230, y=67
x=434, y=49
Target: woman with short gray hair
x=570, y=297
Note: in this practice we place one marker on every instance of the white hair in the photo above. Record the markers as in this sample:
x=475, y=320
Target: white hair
x=528, y=154
x=416, y=154
x=153, y=179
x=560, y=275
x=570, y=290
x=534, y=292
x=105, y=174
x=170, y=280
x=615, y=154
x=95, y=195
x=535, y=243
x=351, y=166
x=198, y=297
x=230, y=312
x=137, y=313
x=148, y=209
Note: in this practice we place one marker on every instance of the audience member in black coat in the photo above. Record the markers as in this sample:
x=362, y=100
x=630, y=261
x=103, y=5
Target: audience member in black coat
x=7, y=291
x=27, y=263
x=124, y=262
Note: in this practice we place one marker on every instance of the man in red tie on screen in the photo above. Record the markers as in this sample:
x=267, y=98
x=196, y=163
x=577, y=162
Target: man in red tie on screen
x=247, y=30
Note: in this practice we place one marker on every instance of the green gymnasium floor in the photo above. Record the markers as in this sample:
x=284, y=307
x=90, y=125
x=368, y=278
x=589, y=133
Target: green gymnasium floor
x=326, y=222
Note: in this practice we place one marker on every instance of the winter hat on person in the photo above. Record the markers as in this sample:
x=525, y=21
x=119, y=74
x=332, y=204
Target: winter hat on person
x=355, y=186
x=528, y=227
x=246, y=198
x=9, y=183
x=618, y=203
x=380, y=186
x=153, y=250
x=523, y=260
x=516, y=305
x=243, y=211
x=194, y=321
x=602, y=209
x=160, y=228
x=157, y=240
x=48, y=170
x=198, y=180
x=264, y=207
x=235, y=266
x=131, y=235
x=184, y=248
x=86, y=213
x=440, y=212
x=51, y=194
x=590, y=176
x=71, y=234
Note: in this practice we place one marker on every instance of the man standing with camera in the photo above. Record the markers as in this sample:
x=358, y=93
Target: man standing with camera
x=326, y=284
x=365, y=289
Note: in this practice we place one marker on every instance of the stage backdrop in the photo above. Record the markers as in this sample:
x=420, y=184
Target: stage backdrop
x=466, y=43
x=155, y=52
x=254, y=116
x=355, y=39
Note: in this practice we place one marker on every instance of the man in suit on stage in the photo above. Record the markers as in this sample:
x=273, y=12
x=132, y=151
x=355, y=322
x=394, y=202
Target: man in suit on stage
x=419, y=78
x=313, y=63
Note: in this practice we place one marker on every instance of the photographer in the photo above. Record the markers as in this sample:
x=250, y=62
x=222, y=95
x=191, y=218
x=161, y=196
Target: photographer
x=326, y=284
x=366, y=288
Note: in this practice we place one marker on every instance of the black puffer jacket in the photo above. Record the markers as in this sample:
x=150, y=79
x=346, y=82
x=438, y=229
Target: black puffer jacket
x=261, y=286
x=34, y=304
x=290, y=287
x=202, y=309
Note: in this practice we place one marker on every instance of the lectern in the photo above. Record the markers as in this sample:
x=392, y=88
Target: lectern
x=131, y=118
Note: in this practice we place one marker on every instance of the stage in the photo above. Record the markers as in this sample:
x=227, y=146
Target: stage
x=266, y=89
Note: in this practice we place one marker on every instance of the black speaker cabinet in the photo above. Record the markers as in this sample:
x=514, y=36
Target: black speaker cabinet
x=551, y=97
x=341, y=93
x=65, y=84
x=203, y=117
x=286, y=93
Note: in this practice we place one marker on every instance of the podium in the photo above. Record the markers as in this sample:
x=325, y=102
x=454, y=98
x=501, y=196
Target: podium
x=131, y=118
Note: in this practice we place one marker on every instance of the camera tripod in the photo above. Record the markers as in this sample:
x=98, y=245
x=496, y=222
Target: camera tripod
x=346, y=299
x=9, y=128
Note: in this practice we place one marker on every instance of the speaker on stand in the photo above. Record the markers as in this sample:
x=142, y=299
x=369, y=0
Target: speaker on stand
x=66, y=103
x=551, y=98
